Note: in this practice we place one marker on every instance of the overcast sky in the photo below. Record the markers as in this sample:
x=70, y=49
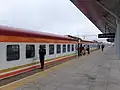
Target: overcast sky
x=54, y=16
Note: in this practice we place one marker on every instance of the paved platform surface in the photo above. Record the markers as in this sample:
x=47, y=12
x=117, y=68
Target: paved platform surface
x=97, y=71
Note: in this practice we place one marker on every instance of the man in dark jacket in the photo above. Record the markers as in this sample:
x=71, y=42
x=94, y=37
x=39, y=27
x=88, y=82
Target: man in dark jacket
x=42, y=56
x=88, y=49
x=102, y=47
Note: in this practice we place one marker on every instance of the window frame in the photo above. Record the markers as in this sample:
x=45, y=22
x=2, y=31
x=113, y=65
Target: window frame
x=32, y=51
x=57, y=50
x=72, y=47
x=68, y=47
x=7, y=54
x=64, y=48
x=53, y=52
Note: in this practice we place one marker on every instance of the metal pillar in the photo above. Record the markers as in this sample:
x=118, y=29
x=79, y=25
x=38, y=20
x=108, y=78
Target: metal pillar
x=117, y=39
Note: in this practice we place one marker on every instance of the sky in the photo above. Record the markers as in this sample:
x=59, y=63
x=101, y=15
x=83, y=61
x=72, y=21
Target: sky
x=53, y=16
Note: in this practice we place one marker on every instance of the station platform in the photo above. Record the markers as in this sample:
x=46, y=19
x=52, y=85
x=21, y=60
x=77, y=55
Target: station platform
x=96, y=71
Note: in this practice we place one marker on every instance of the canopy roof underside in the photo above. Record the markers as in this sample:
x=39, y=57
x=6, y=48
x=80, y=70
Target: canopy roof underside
x=103, y=13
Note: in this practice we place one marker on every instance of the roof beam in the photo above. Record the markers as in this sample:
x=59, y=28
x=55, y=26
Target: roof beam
x=108, y=21
x=105, y=8
x=111, y=29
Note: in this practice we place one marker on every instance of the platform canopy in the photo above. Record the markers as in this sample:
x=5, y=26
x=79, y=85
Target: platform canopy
x=103, y=13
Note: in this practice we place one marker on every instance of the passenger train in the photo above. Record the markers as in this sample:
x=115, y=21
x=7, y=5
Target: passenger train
x=19, y=49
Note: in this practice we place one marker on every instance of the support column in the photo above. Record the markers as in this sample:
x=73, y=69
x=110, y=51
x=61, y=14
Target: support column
x=117, y=40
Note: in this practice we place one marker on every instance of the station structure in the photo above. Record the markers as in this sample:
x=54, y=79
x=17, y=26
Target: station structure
x=105, y=14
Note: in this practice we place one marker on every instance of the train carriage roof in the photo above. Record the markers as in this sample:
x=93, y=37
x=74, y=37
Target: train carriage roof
x=81, y=40
x=10, y=31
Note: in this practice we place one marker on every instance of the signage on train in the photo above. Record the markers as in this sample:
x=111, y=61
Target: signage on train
x=106, y=35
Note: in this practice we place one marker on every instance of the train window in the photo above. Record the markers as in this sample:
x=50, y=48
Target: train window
x=72, y=47
x=58, y=48
x=51, y=49
x=30, y=51
x=68, y=47
x=64, y=48
x=43, y=46
x=13, y=52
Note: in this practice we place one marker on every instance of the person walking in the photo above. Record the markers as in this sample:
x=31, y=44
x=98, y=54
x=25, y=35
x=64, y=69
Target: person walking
x=102, y=47
x=98, y=46
x=88, y=49
x=42, y=56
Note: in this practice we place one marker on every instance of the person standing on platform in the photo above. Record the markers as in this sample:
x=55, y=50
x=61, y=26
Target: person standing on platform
x=83, y=50
x=42, y=56
x=80, y=49
x=102, y=47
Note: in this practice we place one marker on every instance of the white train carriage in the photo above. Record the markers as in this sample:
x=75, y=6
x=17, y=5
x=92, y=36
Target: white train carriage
x=19, y=49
